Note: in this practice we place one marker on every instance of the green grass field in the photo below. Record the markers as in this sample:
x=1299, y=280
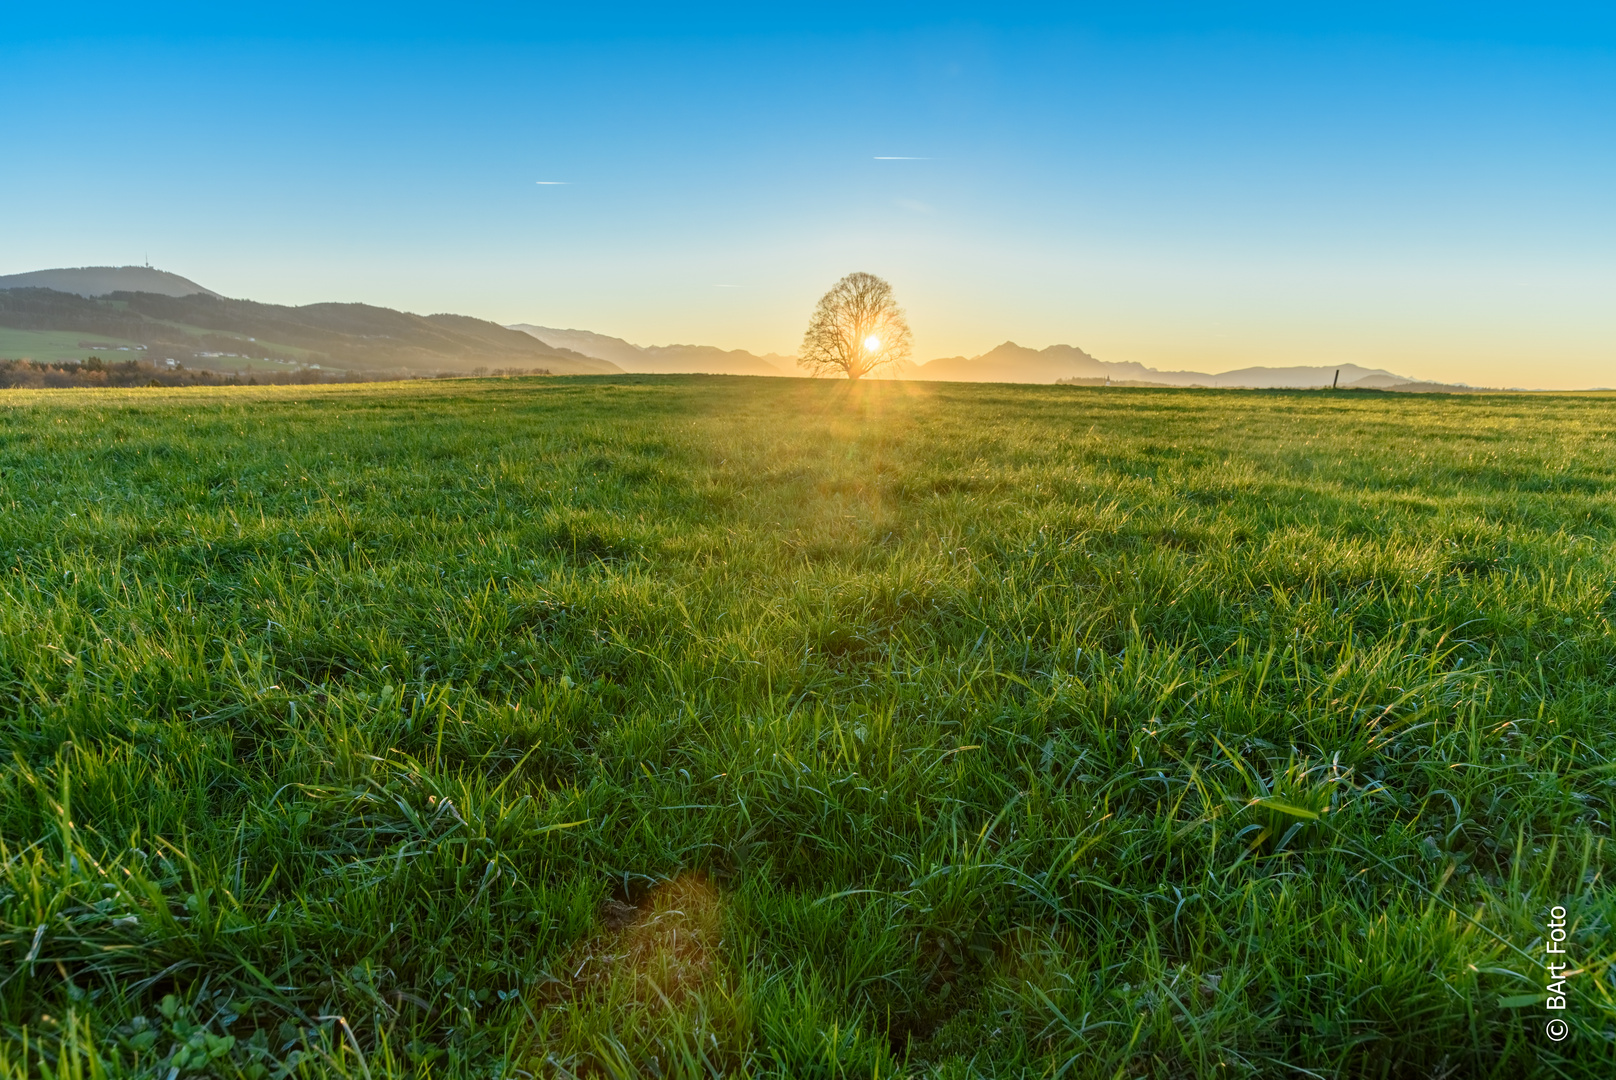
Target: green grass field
x=55, y=346
x=696, y=726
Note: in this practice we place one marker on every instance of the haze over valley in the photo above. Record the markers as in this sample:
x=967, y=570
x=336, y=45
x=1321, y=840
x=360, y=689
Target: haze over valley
x=171, y=318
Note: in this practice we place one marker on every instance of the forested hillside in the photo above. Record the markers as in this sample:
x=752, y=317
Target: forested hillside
x=192, y=329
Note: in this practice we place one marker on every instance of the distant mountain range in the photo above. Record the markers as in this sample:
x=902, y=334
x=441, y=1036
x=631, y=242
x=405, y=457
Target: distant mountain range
x=662, y=359
x=1009, y=362
x=1066, y=363
x=168, y=316
x=102, y=280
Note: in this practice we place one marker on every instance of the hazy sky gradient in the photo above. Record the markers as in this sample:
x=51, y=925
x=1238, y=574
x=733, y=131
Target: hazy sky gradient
x=1427, y=189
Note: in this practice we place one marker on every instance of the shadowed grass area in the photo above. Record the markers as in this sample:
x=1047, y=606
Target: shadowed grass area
x=695, y=726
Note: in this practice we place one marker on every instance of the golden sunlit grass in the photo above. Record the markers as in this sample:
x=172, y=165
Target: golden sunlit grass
x=686, y=727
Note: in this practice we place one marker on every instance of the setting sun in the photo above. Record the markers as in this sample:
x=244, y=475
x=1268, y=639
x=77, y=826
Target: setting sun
x=872, y=343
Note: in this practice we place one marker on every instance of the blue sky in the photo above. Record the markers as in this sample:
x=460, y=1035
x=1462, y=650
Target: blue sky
x=1425, y=188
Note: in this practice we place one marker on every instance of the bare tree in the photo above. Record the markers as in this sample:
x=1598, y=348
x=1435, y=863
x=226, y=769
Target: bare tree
x=856, y=329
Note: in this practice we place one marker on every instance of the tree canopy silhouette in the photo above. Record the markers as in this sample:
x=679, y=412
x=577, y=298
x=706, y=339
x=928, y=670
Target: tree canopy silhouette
x=856, y=329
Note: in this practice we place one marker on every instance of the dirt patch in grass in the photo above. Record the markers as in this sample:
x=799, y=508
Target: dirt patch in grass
x=664, y=947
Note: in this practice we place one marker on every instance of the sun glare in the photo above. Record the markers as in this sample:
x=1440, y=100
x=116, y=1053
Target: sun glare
x=872, y=343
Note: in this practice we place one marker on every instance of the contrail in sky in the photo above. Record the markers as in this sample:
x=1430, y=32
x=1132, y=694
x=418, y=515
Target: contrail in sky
x=553, y=183
x=891, y=158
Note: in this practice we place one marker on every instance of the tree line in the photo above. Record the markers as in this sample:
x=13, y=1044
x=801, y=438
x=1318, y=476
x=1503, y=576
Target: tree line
x=95, y=372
